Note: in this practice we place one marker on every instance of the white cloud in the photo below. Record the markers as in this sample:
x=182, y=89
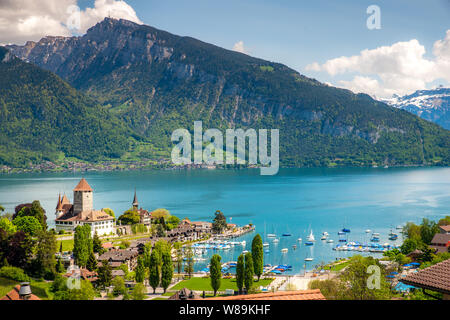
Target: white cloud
x=23, y=20
x=400, y=68
x=239, y=47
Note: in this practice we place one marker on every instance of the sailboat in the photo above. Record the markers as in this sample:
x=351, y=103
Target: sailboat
x=311, y=237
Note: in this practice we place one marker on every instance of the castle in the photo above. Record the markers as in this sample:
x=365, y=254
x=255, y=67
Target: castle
x=69, y=216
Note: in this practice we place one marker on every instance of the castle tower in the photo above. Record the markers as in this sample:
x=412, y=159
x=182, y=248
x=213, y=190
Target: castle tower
x=82, y=197
x=59, y=208
x=135, y=201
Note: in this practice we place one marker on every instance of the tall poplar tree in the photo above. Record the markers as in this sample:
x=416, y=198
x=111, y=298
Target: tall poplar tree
x=258, y=255
x=215, y=271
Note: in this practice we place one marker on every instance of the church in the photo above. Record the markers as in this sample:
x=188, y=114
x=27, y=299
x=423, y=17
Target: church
x=69, y=216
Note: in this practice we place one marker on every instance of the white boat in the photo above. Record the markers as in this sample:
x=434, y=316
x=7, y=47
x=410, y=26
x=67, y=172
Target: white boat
x=299, y=239
x=323, y=238
x=284, y=250
x=276, y=240
x=325, y=233
x=265, y=244
x=271, y=235
x=244, y=252
x=330, y=241
x=368, y=231
x=309, y=259
x=311, y=237
x=243, y=243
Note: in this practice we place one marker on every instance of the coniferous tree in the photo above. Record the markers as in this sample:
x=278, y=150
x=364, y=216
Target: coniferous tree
x=154, y=278
x=140, y=271
x=248, y=271
x=166, y=270
x=215, y=272
x=91, y=264
x=104, y=274
x=258, y=255
x=219, y=224
x=45, y=254
x=97, y=245
x=82, y=245
x=189, y=267
x=240, y=272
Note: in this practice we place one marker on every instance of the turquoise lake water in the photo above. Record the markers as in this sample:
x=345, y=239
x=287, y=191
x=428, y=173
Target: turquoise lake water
x=294, y=201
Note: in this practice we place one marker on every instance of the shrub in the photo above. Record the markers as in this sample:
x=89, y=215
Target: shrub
x=14, y=273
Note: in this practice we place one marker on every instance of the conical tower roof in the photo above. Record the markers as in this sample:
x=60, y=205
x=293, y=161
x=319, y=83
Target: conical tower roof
x=83, y=186
x=58, y=205
x=135, y=201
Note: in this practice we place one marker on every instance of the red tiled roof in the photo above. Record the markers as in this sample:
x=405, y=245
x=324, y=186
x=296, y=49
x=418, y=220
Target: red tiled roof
x=83, y=186
x=14, y=295
x=279, y=295
x=445, y=228
x=435, y=278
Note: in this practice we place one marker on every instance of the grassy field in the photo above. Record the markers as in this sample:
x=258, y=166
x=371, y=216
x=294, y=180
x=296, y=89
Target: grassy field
x=67, y=245
x=340, y=266
x=39, y=288
x=204, y=284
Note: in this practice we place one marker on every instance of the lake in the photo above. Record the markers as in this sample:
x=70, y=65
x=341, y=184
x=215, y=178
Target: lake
x=294, y=201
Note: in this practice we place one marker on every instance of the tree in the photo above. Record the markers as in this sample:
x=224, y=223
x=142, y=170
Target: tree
x=91, y=264
x=444, y=221
x=140, y=270
x=160, y=232
x=160, y=213
x=215, y=271
x=82, y=244
x=86, y=291
x=409, y=245
x=119, y=286
x=110, y=212
x=248, y=271
x=33, y=209
x=60, y=247
x=219, y=223
x=129, y=217
x=166, y=270
x=354, y=280
x=45, y=254
x=104, y=274
x=179, y=257
x=189, y=266
x=7, y=225
x=154, y=270
x=97, y=245
x=428, y=229
x=59, y=266
x=138, y=292
x=240, y=273
x=412, y=231
x=27, y=224
x=172, y=222
x=258, y=255
x=19, y=249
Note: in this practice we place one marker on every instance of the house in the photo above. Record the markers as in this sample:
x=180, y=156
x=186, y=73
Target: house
x=118, y=257
x=145, y=216
x=185, y=294
x=440, y=242
x=83, y=273
x=279, y=295
x=414, y=255
x=435, y=278
x=202, y=226
x=81, y=212
x=21, y=292
x=444, y=229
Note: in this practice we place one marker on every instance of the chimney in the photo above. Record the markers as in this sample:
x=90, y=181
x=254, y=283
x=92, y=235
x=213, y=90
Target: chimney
x=25, y=291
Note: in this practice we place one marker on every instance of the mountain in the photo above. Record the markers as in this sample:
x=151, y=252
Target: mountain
x=156, y=82
x=43, y=118
x=432, y=105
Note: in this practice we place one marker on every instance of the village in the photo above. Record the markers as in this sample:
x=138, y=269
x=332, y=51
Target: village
x=150, y=255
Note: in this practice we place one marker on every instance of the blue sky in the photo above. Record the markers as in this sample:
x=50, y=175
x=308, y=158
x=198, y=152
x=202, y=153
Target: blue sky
x=411, y=51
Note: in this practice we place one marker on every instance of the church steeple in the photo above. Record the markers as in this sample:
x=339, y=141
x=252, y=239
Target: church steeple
x=135, y=201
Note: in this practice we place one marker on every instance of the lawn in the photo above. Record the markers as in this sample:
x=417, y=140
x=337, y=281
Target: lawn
x=66, y=244
x=39, y=288
x=204, y=284
x=340, y=266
